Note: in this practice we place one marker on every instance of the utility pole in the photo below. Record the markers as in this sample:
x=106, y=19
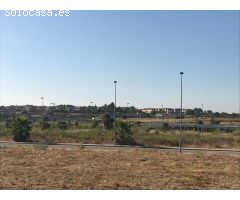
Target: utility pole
x=114, y=136
x=180, y=147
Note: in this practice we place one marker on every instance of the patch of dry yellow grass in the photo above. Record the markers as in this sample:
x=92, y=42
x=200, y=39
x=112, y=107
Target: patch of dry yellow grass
x=29, y=168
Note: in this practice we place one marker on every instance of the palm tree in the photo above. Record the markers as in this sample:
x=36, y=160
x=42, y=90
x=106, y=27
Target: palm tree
x=20, y=127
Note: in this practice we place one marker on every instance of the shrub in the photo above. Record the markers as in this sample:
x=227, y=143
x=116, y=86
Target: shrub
x=94, y=123
x=20, y=127
x=124, y=133
x=44, y=124
x=41, y=145
x=149, y=128
x=62, y=125
x=76, y=124
x=7, y=124
x=69, y=123
x=138, y=123
x=214, y=121
x=108, y=121
x=124, y=116
x=236, y=132
x=165, y=126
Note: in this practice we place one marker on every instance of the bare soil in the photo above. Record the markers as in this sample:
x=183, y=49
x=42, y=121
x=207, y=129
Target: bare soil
x=34, y=168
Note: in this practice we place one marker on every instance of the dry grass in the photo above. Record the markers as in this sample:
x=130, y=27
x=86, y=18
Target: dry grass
x=29, y=168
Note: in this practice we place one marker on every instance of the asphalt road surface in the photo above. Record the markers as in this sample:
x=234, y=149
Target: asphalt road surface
x=232, y=152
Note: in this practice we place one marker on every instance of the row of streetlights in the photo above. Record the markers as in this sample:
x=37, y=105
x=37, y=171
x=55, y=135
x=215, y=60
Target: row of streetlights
x=115, y=91
x=115, y=103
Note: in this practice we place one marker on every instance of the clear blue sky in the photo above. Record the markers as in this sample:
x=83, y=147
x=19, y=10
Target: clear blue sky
x=75, y=59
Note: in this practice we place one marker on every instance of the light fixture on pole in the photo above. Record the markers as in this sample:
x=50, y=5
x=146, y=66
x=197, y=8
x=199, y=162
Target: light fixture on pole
x=180, y=147
x=42, y=98
x=114, y=136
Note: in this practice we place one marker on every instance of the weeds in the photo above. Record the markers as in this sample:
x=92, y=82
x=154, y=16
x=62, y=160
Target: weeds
x=40, y=145
x=143, y=135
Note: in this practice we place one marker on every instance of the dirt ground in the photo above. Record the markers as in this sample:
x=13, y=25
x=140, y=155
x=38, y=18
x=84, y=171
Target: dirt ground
x=34, y=168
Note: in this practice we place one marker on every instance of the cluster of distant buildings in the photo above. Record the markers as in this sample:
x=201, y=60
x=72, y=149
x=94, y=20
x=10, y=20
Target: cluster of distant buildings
x=32, y=108
x=167, y=112
x=59, y=112
x=62, y=112
x=71, y=108
x=68, y=111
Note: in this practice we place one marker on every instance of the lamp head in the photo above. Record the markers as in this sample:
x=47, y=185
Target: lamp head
x=115, y=81
x=181, y=73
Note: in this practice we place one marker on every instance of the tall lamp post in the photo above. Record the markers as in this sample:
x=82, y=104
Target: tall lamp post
x=162, y=116
x=180, y=148
x=42, y=98
x=114, y=136
x=127, y=110
x=91, y=109
x=52, y=104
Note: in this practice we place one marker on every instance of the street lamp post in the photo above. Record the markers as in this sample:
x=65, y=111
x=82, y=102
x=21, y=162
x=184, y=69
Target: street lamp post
x=162, y=117
x=127, y=110
x=42, y=98
x=91, y=109
x=52, y=104
x=114, y=136
x=180, y=148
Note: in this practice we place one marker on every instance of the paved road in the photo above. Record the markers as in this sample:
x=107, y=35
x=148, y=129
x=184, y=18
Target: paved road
x=232, y=152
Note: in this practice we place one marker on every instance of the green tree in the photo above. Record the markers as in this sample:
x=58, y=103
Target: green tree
x=108, y=121
x=209, y=113
x=124, y=133
x=111, y=106
x=216, y=114
x=44, y=124
x=190, y=112
x=197, y=112
x=94, y=123
x=20, y=128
